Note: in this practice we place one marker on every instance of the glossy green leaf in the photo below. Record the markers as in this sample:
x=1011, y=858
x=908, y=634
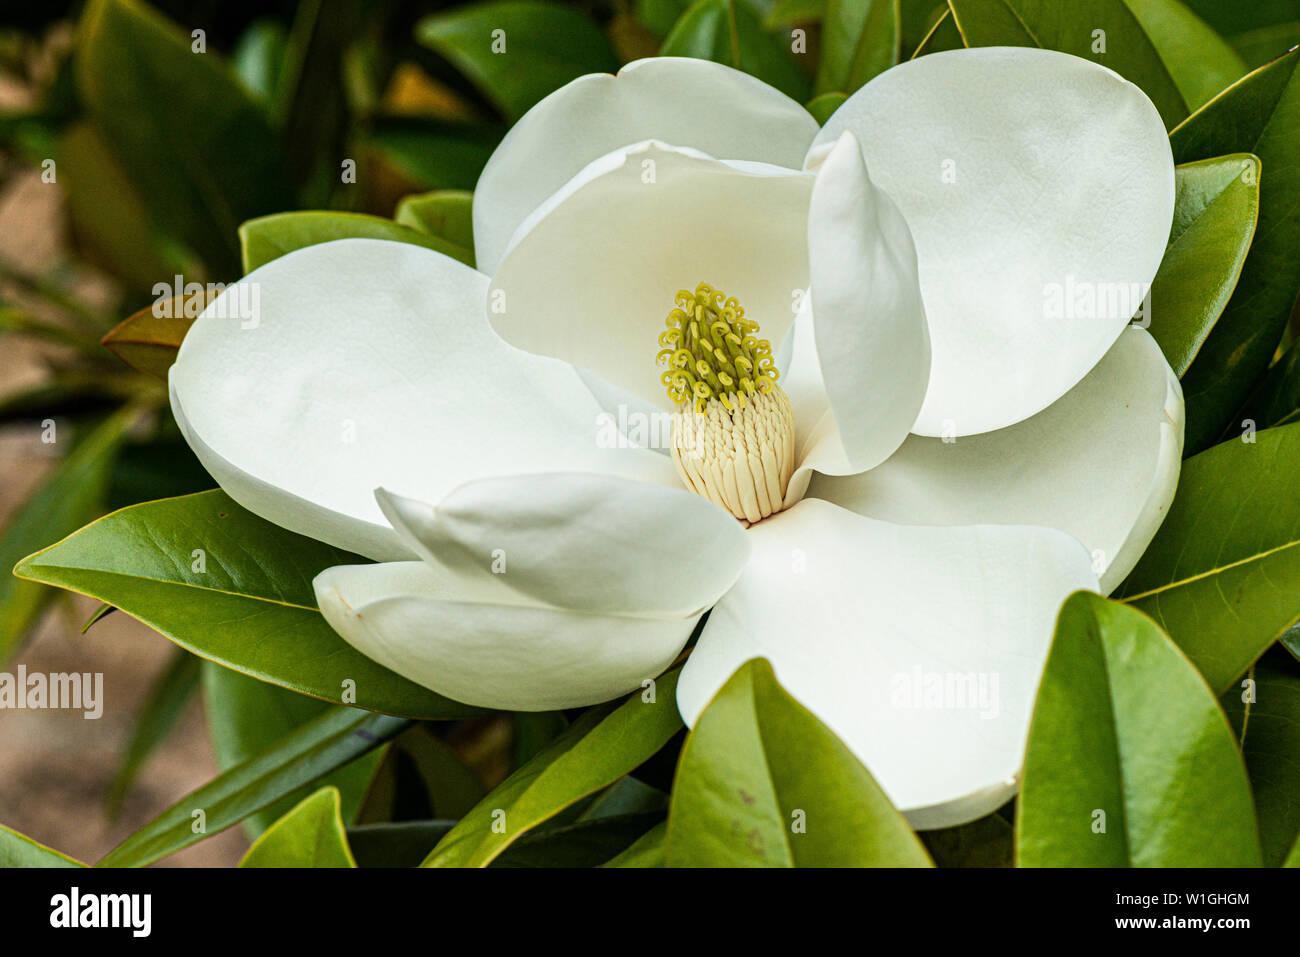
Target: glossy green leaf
x=395, y=844
x=763, y=783
x=19, y=850
x=310, y=835
x=229, y=586
x=732, y=33
x=942, y=35
x=1261, y=115
x=916, y=19
x=1157, y=44
x=1222, y=574
x=196, y=145
x=1264, y=709
x=1215, y=209
x=516, y=52
x=860, y=38
x=246, y=716
x=821, y=107
x=581, y=844
x=270, y=237
x=1260, y=30
x=305, y=755
x=598, y=749
x=1130, y=761
x=168, y=697
x=433, y=153
x=72, y=495
x=445, y=214
x=1276, y=400
x=786, y=12
x=148, y=341
x=647, y=851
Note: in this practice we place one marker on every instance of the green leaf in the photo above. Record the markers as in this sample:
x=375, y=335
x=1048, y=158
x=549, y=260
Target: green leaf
x=19, y=850
x=581, y=844
x=228, y=586
x=246, y=716
x=198, y=148
x=860, y=38
x=445, y=214
x=763, y=783
x=306, y=754
x=598, y=749
x=1222, y=574
x=518, y=52
x=1276, y=401
x=270, y=237
x=1260, y=115
x=916, y=19
x=258, y=58
x=786, y=12
x=821, y=107
x=1215, y=209
x=396, y=844
x=1260, y=30
x=311, y=835
x=1268, y=729
x=147, y=341
x=648, y=851
x=420, y=777
x=434, y=153
x=941, y=36
x=73, y=494
x=1130, y=761
x=168, y=697
x=1293, y=859
x=732, y=33
x=1176, y=60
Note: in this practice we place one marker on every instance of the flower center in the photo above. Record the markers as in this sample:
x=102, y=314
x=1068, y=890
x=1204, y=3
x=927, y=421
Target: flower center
x=733, y=432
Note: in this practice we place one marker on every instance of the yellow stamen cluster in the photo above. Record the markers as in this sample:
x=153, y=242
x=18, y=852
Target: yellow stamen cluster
x=711, y=351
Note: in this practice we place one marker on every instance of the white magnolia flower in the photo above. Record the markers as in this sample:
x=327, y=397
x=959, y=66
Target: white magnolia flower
x=945, y=219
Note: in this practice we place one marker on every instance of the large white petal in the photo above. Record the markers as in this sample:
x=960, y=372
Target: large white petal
x=691, y=102
x=480, y=642
x=593, y=272
x=371, y=364
x=1101, y=463
x=588, y=542
x=860, y=618
x=1030, y=179
x=870, y=346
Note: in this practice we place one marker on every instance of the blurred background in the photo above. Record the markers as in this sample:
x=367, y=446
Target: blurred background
x=134, y=140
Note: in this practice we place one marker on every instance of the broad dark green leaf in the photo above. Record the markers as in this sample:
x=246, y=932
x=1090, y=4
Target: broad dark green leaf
x=916, y=19
x=247, y=716
x=434, y=153
x=270, y=237
x=763, y=783
x=1222, y=574
x=588, y=843
x=445, y=214
x=1130, y=761
x=228, y=586
x=1259, y=30
x=19, y=850
x=1260, y=115
x=1276, y=400
x=1214, y=221
x=396, y=844
x=598, y=749
x=733, y=34
x=168, y=697
x=1176, y=60
x=1268, y=729
x=786, y=12
x=196, y=145
x=306, y=754
x=821, y=107
x=310, y=835
x=519, y=51
x=942, y=35
x=72, y=495
x=860, y=38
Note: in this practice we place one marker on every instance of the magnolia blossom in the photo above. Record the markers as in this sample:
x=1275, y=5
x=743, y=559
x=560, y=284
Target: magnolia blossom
x=892, y=454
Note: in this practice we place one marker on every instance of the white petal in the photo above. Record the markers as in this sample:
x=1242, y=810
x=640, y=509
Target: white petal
x=1101, y=463
x=860, y=618
x=479, y=642
x=371, y=364
x=1028, y=178
x=871, y=344
x=587, y=542
x=593, y=272
x=690, y=102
